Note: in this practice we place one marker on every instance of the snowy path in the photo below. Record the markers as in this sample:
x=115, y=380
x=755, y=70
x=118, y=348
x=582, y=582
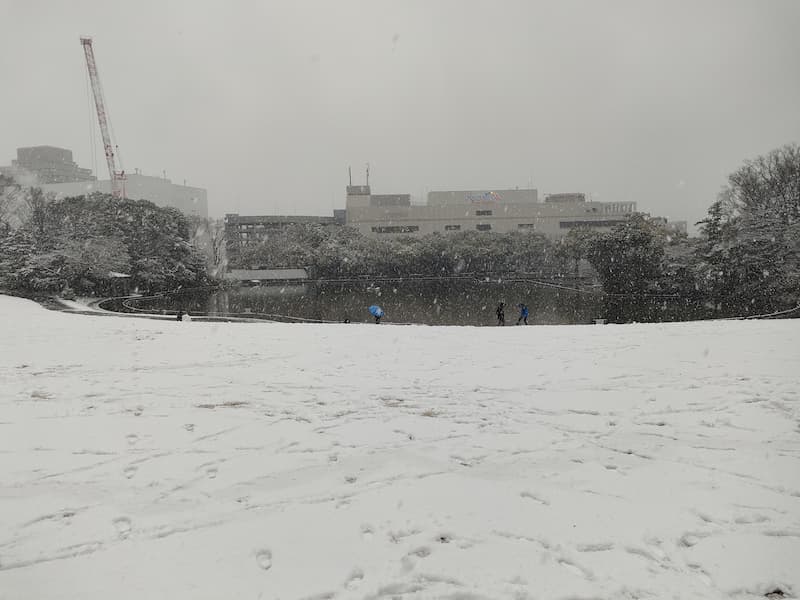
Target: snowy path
x=149, y=459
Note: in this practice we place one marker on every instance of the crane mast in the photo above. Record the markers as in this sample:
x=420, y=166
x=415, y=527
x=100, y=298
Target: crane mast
x=117, y=177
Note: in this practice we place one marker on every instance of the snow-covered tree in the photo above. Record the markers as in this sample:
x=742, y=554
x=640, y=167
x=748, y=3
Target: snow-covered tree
x=208, y=236
x=76, y=242
x=749, y=259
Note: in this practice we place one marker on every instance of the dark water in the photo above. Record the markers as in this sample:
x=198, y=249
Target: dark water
x=431, y=303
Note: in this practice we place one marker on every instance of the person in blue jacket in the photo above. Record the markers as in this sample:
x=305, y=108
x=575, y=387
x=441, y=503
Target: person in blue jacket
x=523, y=314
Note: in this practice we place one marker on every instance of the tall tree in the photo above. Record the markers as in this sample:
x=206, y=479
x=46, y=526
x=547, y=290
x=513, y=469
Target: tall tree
x=749, y=259
x=208, y=236
x=630, y=259
x=769, y=185
x=77, y=241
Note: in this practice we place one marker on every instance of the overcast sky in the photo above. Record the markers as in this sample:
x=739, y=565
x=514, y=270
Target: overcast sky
x=266, y=104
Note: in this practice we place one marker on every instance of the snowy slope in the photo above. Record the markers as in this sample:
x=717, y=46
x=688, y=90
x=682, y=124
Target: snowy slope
x=155, y=459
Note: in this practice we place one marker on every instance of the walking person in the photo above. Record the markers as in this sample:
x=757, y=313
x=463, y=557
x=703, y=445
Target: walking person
x=501, y=313
x=179, y=316
x=523, y=314
x=377, y=312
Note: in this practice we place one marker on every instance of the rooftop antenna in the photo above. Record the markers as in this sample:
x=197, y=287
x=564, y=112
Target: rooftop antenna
x=367, y=173
x=350, y=175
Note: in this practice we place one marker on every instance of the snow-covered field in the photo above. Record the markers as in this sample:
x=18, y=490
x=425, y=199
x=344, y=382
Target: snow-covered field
x=153, y=459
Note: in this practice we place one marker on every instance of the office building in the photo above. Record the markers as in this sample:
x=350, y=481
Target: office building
x=48, y=164
x=248, y=230
x=500, y=211
x=191, y=201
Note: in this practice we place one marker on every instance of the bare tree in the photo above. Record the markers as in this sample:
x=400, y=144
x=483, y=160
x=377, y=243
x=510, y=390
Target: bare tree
x=38, y=215
x=208, y=236
x=13, y=205
x=769, y=184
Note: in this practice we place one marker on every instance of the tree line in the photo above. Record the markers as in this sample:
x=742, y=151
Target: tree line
x=84, y=243
x=342, y=252
x=745, y=261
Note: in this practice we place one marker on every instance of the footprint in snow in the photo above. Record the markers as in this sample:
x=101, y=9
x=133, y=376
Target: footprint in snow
x=597, y=547
x=264, y=559
x=534, y=497
x=130, y=471
x=575, y=568
x=123, y=527
x=367, y=532
x=354, y=580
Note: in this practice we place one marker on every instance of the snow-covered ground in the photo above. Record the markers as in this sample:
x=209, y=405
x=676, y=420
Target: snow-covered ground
x=151, y=459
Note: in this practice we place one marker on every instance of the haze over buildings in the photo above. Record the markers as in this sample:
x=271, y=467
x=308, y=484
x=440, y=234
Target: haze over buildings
x=267, y=104
x=48, y=165
x=53, y=170
x=192, y=201
x=499, y=211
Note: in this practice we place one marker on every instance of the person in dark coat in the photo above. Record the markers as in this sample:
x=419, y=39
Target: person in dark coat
x=179, y=316
x=523, y=314
x=501, y=313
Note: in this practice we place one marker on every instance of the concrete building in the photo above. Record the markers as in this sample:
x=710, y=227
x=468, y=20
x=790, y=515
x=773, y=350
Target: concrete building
x=470, y=197
x=191, y=201
x=670, y=226
x=247, y=230
x=500, y=211
x=678, y=226
x=570, y=198
x=49, y=165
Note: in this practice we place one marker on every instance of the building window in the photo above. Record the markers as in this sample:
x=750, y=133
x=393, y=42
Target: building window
x=395, y=229
x=526, y=226
x=452, y=227
x=574, y=224
x=483, y=213
x=483, y=227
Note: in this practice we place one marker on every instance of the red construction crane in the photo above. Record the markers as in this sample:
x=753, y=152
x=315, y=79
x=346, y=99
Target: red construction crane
x=117, y=177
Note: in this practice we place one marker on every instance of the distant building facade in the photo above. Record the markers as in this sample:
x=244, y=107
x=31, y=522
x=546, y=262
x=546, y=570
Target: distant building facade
x=670, y=226
x=570, y=198
x=191, y=201
x=49, y=164
x=500, y=211
x=471, y=197
x=249, y=230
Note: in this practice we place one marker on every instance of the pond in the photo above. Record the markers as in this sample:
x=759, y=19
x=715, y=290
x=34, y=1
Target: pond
x=458, y=302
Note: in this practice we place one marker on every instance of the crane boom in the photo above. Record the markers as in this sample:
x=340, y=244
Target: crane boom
x=117, y=177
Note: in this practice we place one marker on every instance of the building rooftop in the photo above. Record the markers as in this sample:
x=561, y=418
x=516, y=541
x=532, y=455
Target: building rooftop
x=236, y=218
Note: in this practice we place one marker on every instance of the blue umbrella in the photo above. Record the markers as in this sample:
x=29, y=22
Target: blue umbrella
x=376, y=311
